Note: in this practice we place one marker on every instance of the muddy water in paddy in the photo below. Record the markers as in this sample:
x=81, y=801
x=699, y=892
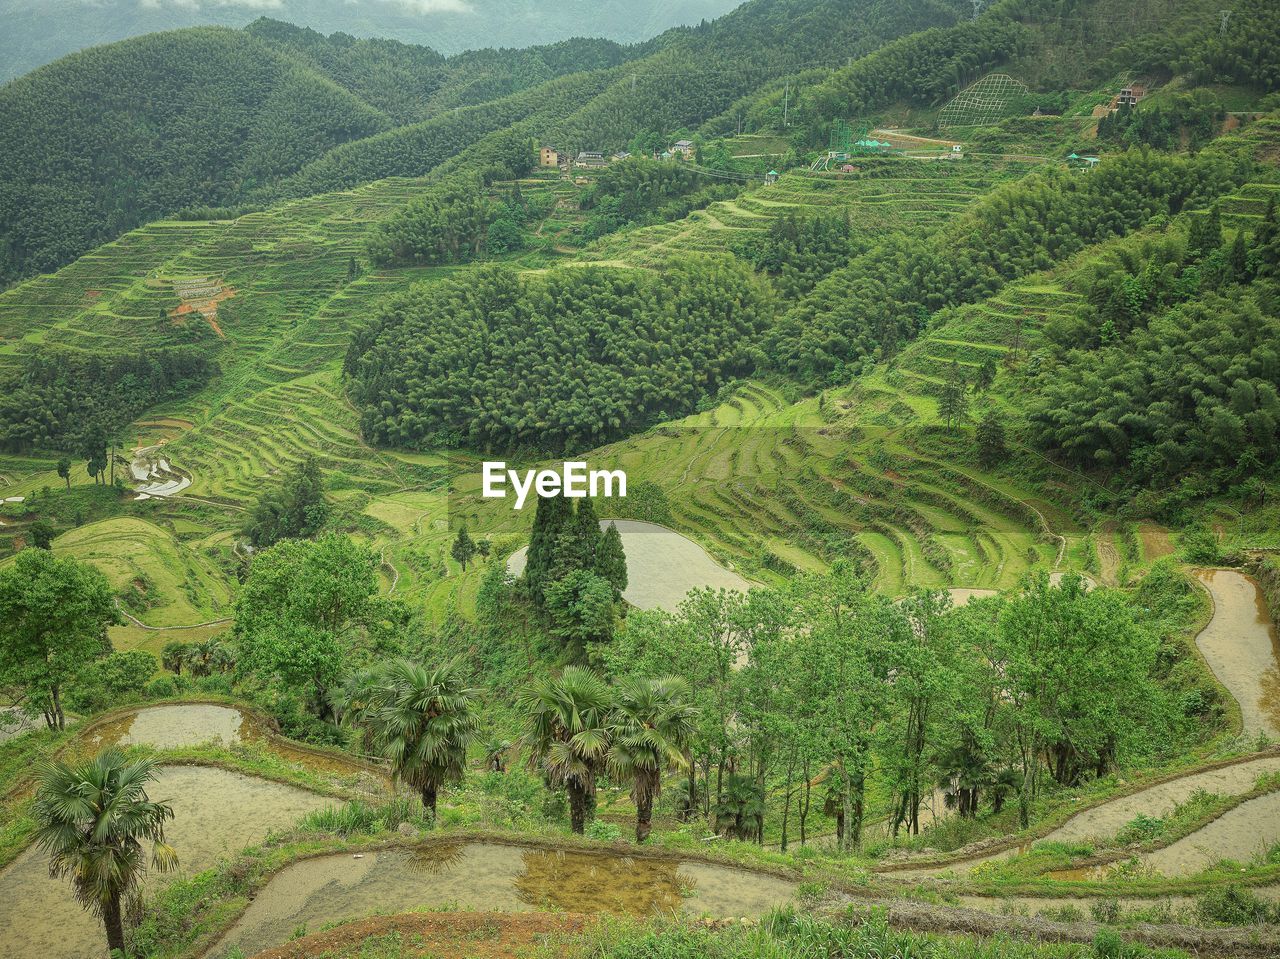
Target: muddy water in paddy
x=196, y=724
x=1104, y=821
x=493, y=877
x=662, y=566
x=216, y=813
x=169, y=727
x=1108, y=819
x=1242, y=648
x=1245, y=831
x=1038, y=905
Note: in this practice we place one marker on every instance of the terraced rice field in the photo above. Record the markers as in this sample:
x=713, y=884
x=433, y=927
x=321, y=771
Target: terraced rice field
x=779, y=487
x=174, y=585
x=285, y=330
x=897, y=194
x=768, y=486
x=216, y=813
x=1246, y=207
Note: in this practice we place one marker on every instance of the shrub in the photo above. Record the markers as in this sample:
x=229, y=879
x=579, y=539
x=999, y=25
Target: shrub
x=604, y=831
x=1233, y=906
x=161, y=688
x=111, y=680
x=1105, y=910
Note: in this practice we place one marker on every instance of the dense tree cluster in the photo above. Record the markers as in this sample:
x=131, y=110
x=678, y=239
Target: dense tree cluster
x=568, y=359
x=309, y=612
x=1190, y=119
x=419, y=148
x=797, y=252
x=447, y=224
x=638, y=187
x=69, y=400
x=1172, y=366
x=54, y=615
x=822, y=693
x=693, y=74
x=295, y=508
x=575, y=573
x=1247, y=52
x=884, y=296
x=921, y=69
x=458, y=220
x=641, y=191
x=411, y=83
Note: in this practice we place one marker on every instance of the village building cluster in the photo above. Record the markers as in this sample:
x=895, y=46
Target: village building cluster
x=551, y=156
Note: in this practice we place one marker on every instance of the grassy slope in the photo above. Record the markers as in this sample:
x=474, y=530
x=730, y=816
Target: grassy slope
x=768, y=481
x=765, y=482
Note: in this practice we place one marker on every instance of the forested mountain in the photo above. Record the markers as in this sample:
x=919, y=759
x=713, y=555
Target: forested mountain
x=411, y=83
x=112, y=136
x=942, y=450
x=107, y=138
x=40, y=31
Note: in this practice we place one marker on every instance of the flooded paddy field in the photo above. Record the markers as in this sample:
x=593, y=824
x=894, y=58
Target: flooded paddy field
x=493, y=877
x=179, y=725
x=216, y=813
x=1243, y=649
x=663, y=566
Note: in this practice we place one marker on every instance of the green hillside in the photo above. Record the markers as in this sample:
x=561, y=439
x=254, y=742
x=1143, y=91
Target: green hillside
x=277, y=98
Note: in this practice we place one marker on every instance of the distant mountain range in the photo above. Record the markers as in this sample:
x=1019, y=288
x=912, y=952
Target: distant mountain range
x=40, y=31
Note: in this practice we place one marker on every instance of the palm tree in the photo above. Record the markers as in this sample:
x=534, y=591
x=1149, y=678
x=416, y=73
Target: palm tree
x=173, y=656
x=91, y=820
x=423, y=720
x=221, y=658
x=652, y=723
x=567, y=734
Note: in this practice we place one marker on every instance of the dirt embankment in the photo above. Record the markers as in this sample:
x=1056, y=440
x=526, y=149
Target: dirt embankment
x=1266, y=571
x=456, y=935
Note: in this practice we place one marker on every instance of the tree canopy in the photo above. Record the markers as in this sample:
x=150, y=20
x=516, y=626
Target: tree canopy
x=564, y=360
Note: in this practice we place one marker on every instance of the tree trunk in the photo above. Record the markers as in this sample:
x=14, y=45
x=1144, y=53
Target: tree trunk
x=693, y=788
x=857, y=793
x=429, y=799
x=786, y=806
x=804, y=805
x=113, y=919
x=577, y=806
x=644, y=810
x=55, y=696
x=1030, y=763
